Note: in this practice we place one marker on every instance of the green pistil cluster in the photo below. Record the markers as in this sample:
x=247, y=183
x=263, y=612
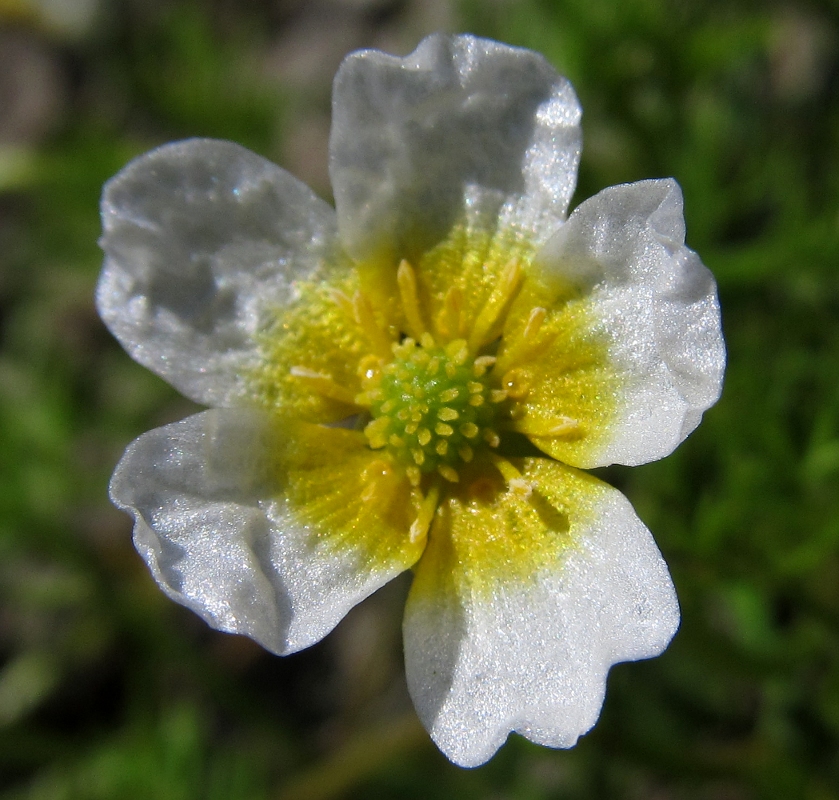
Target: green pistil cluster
x=433, y=407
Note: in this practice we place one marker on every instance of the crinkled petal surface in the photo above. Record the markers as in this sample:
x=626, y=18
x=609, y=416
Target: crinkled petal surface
x=260, y=530
x=520, y=606
x=200, y=237
x=459, y=120
x=654, y=304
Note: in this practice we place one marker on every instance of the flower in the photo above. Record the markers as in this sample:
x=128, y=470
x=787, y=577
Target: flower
x=414, y=381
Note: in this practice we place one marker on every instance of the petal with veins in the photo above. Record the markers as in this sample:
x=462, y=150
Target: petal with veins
x=655, y=305
x=523, y=601
x=199, y=237
x=264, y=531
x=459, y=120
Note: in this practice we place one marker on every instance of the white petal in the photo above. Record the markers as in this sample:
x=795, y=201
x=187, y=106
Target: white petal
x=200, y=238
x=211, y=523
x=657, y=305
x=459, y=120
x=533, y=657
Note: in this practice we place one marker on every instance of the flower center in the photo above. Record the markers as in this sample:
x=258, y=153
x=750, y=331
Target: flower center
x=433, y=407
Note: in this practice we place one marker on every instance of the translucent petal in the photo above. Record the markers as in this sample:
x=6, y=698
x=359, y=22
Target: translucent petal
x=263, y=530
x=461, y=122
x=655, y=305
x=521, y=604
x=200, y=237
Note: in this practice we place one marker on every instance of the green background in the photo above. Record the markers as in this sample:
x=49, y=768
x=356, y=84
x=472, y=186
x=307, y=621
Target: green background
x=109, y=690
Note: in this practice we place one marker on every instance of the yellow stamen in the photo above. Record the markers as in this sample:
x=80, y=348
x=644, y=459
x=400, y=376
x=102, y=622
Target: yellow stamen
x=554, y=427
x=406, y=279
x=376, y=475
x=515, y=481
x=457, y=351
x=447, y=414
x=443, y=430
x=497, y=396
x=466, y=453
x=534, y=323
x=342, y=301
x=376, y=432
x=450, y=319
x=414, y=475
x=507, y=470
x=481, y=365
x=528, y=344
x=362, y=311
x=495, y=306
x=324, y=385
x=425, y=513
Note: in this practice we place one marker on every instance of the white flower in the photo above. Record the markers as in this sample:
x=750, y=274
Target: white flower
x=478, y=348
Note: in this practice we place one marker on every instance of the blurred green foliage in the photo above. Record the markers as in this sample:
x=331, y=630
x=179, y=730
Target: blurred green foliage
x=109, y=690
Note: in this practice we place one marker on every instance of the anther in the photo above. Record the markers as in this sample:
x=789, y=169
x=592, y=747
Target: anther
x=534, y=322
x=373, y=475
x=395, y=441
x=474, y=387
x=418, y=456
x=324, y=385
x=495, y=306
x=449, y=394
x=406, y=280
x=447, y=414
x=520, y=487
x=552, y=427
x=497, y=396
x=376, y=432
x=457, y=351
x=491, y=438
x=481, y=365
x=466, y=453
x=414, y=475
x=441, y=429
x=423, y=436
x=476, y=400
x=450, y=318
x=442, y=447
x=362, y=311
x=342, y=301
x=425, y=514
